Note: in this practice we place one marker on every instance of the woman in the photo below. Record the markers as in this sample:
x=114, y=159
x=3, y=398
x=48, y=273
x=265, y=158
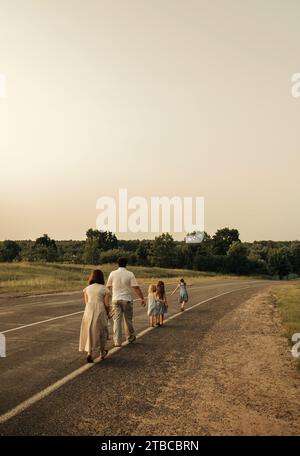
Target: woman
x=94, y=328
x=183, y=294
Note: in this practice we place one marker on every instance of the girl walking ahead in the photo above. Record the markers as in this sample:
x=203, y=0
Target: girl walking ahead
x=183, y=294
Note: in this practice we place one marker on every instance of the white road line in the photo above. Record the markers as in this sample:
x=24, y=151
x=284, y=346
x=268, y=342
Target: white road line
x=80, y=312
x=33, y=304
x=40, y=322
x=50, y=389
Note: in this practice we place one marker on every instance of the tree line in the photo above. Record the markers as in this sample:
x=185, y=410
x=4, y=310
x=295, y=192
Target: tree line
x=221, y=253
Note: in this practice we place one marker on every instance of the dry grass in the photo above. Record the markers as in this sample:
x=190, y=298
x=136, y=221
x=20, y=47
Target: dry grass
x=42, y=277
x=288, y=304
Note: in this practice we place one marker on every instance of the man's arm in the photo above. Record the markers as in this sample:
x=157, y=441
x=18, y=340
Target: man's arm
x=137, y=289
x=140, y=294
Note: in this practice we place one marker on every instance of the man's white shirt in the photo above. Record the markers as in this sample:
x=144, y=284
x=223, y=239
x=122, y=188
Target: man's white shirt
x=121, y=280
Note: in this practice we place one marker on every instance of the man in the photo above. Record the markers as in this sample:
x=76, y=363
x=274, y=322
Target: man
x=120, y=283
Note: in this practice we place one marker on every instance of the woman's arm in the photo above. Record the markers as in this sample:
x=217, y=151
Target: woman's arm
x=107, y=303
x=85, y=298
x=106, y=299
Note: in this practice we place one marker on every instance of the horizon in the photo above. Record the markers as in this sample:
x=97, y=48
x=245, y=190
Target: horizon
x=159, y=98
x=152, y=238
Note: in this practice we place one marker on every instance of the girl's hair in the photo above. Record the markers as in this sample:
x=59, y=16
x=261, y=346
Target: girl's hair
x=152, y=289
x=96, y=277
x=160, y=290
x=182, y=281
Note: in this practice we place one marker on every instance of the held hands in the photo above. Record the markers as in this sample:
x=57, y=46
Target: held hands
x=109, y=312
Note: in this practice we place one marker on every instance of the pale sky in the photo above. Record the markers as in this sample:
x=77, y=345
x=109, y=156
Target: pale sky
x=162, y=97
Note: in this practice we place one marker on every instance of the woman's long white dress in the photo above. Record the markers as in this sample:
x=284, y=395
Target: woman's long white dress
x=94, y=325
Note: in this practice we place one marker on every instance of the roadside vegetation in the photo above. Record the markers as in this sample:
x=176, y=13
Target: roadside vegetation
x=222, y=253
x=288, y=304
x=46, y=277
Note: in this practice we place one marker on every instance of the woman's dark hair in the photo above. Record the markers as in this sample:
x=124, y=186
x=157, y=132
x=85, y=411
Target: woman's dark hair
x=96, y=277
x=160, y=290
x=182, y=281
x=122, y=262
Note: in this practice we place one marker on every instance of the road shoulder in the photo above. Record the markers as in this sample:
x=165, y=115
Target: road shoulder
x=244, y=383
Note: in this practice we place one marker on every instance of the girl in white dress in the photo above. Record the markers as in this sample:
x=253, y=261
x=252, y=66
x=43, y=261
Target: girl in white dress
x=94, y=325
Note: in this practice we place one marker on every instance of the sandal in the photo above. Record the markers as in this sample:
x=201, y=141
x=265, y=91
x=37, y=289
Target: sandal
x=104, y=354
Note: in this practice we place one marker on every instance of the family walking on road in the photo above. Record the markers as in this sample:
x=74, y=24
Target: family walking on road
x=94, y=332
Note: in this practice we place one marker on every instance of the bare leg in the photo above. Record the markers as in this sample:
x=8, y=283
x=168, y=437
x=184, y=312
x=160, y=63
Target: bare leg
x=103, y=340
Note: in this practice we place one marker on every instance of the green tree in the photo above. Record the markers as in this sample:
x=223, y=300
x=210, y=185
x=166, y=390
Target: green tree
x=295, y=257
x=279, y=262
x=163, y=251
x=192, y=250
x=91, y=253
x=106, y=239
x=70, y=251
x=210, y=262
x=237, y=261
x=44, y=249
x=9, y=251
x=130, y=245
x=143, y=252
x=112, y=256
x=223, y=239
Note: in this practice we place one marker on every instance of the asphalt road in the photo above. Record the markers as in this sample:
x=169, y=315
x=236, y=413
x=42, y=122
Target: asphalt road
x=110, y=397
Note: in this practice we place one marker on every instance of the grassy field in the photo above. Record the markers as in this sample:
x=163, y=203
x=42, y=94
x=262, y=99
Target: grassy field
x=42, y=277
x=288, y=303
